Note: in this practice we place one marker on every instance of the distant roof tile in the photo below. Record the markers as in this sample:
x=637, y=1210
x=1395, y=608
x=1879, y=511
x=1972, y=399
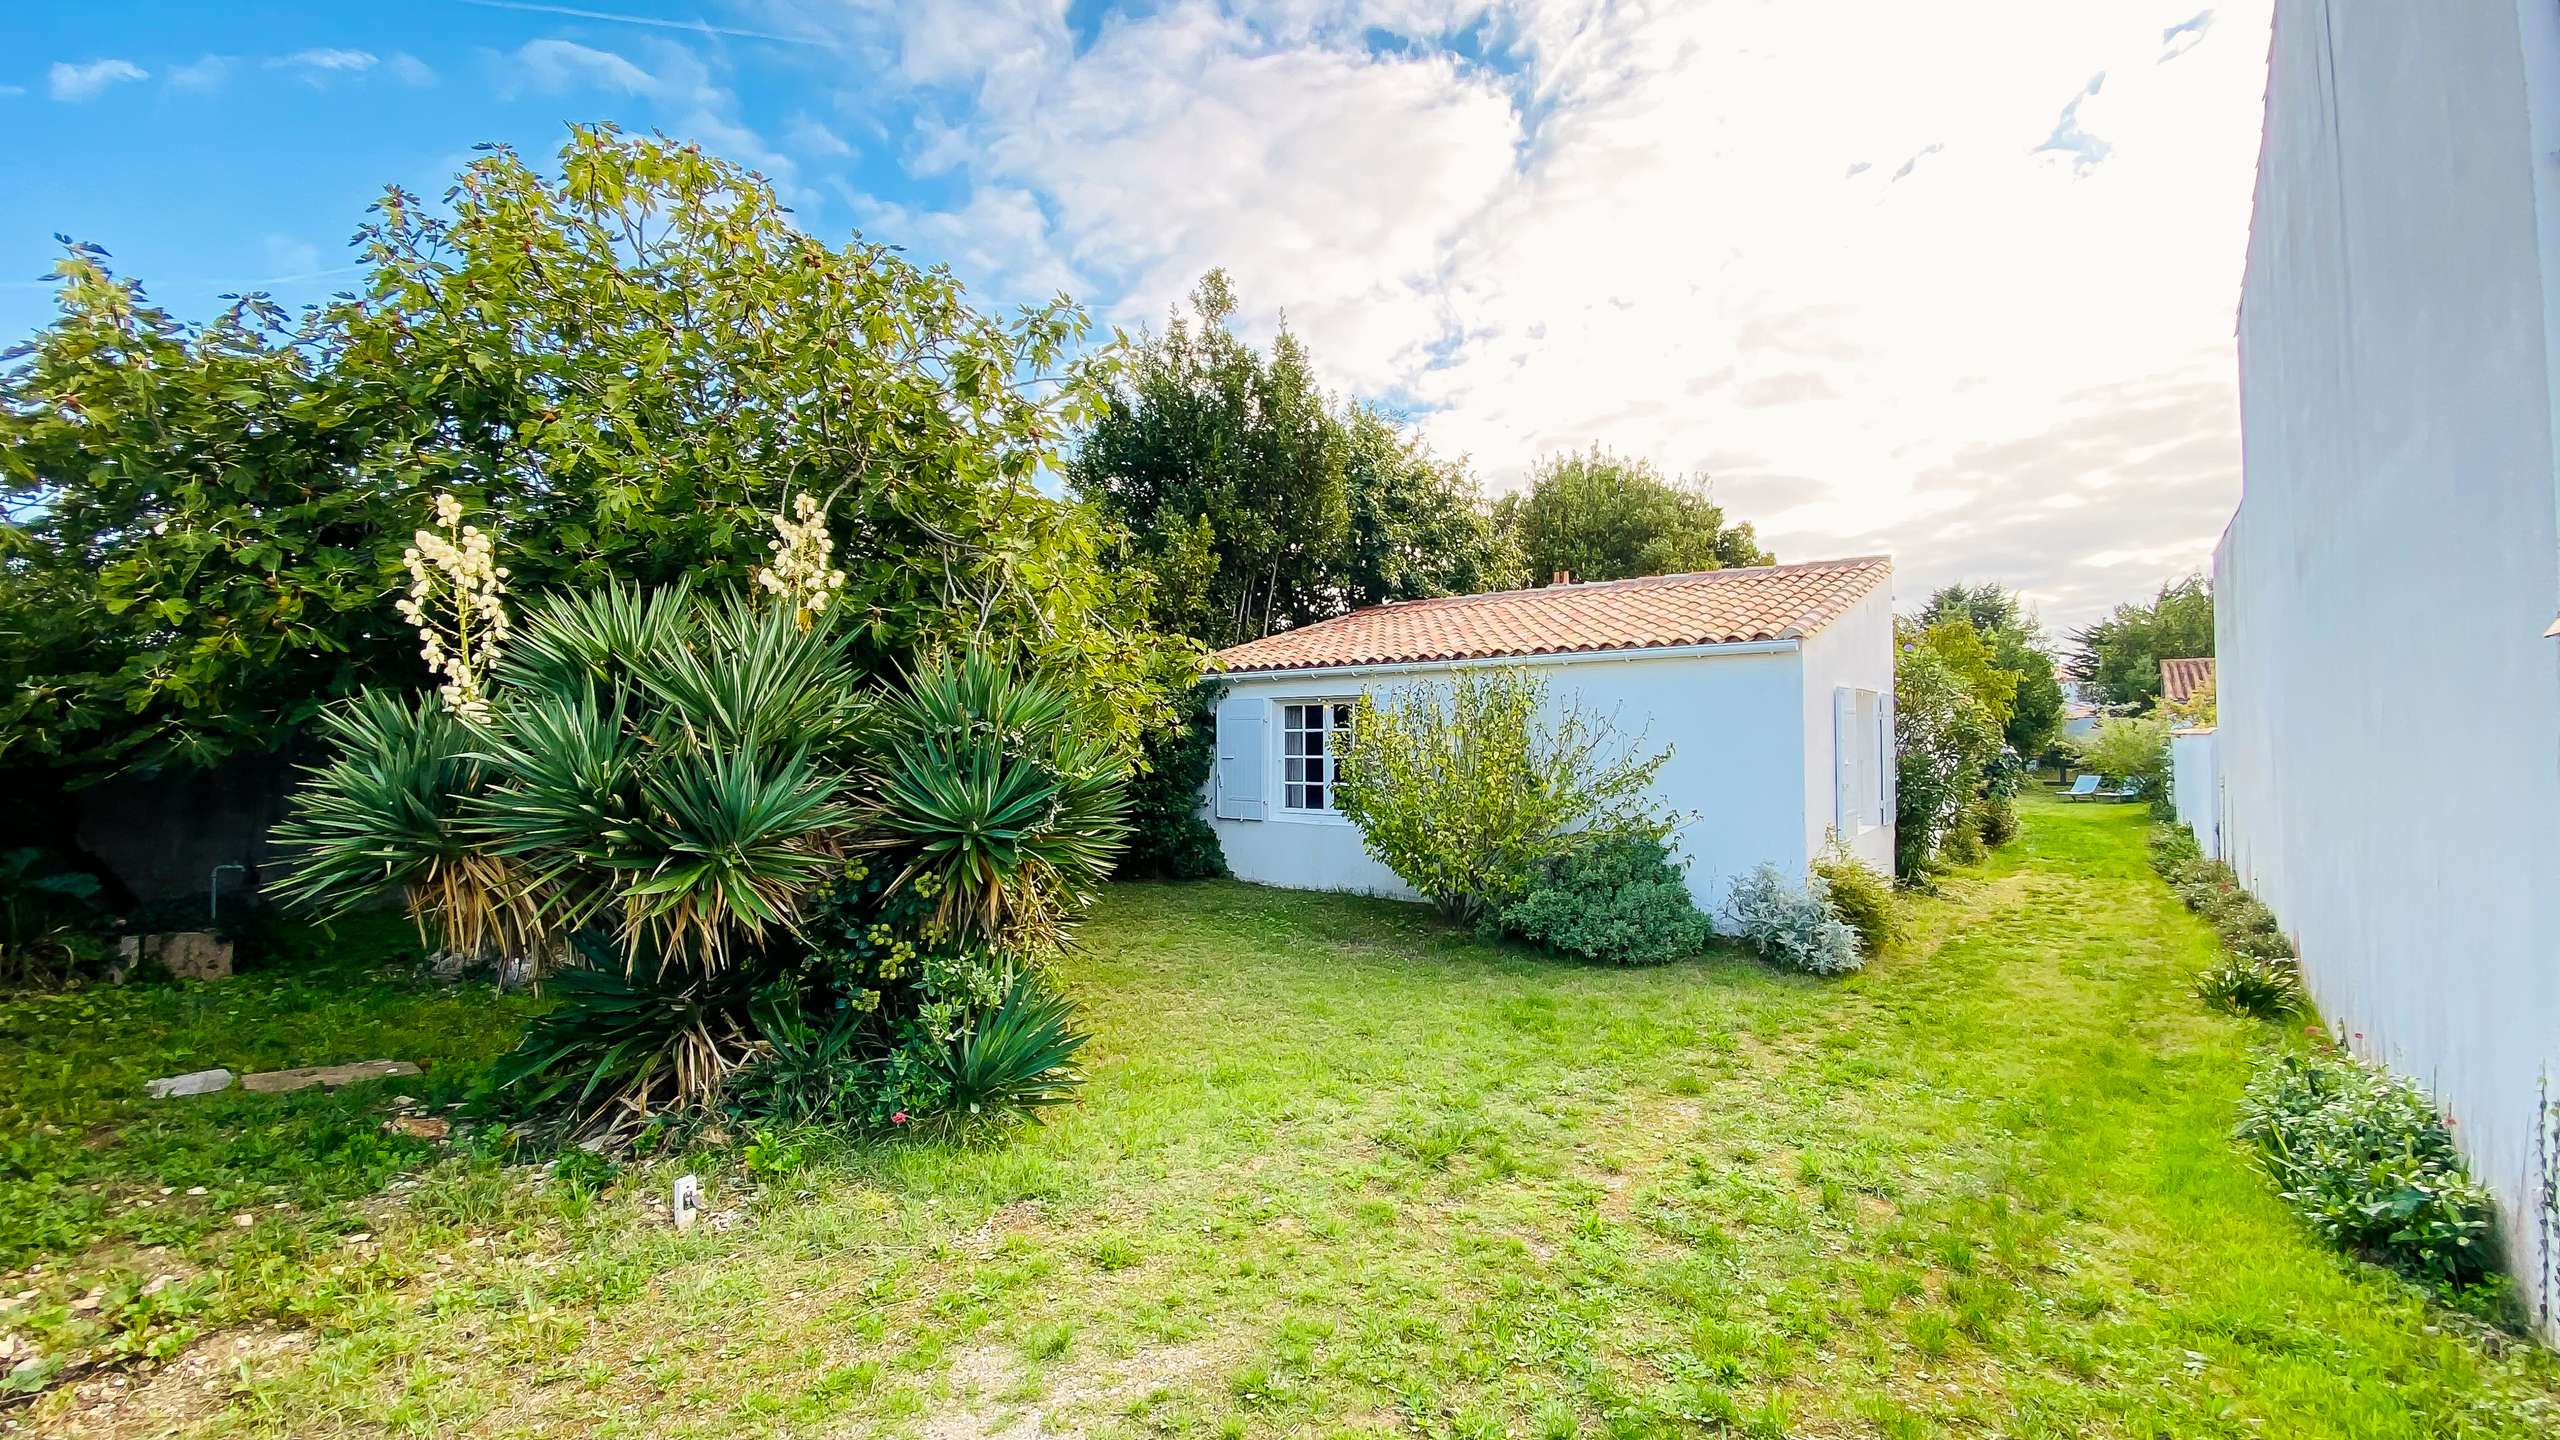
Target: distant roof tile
x=1711, y=607
x=2179, y=678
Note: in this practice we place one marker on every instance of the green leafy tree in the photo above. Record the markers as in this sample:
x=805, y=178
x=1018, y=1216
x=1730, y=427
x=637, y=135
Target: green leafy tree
x=2031, y=714
x=1417, y=528
x=197, y=545
x=1944, y=743
x=1604, y=516
x=1465, y=789
x=2119, y=657
x=1255, y=503
x=626, y=366
x=2133, y=749
x=1226, y=468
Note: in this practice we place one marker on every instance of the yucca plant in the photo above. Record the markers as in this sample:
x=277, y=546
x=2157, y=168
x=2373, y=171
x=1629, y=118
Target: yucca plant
x=996, y=799
x=386, y=814
x=1018, y=1059
x=625, y=1043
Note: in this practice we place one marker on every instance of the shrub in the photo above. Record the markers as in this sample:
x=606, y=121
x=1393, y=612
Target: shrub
x=1792, y=926
x=2263, y=986
x=1168, y=840
x=1962, y=844
x=1995, y=819
x=619, y=1047
x=1017, y=1059
x=1618, y=899
x=45, y=914
x=1944, y=741
x=2132, y=749
x=1861, y=897
x=2362, y=1155
x=1464, y=791
x=667, y=788
x=997, y=795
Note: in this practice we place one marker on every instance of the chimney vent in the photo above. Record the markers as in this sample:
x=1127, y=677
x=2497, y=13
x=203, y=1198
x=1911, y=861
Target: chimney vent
x=1563, y=577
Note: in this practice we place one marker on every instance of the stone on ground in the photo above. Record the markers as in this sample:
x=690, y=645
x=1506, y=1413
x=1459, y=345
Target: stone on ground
x=277, y=1082
x=196, y=1082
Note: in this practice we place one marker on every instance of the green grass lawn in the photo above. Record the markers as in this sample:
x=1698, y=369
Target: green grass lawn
x=1339, y=1171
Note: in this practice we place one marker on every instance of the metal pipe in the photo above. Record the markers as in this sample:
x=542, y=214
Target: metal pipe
x=213, y=895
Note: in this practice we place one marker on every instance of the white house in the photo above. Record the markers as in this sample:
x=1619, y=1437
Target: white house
x=1772, y=687
x=2389, y=739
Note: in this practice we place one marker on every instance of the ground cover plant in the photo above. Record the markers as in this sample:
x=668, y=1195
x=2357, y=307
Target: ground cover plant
x=2363, y=1156
x=1342, y=1170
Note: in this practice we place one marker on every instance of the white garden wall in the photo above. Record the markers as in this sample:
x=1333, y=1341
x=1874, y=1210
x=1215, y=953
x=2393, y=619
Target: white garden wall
x=2195, y=787
x=1746, y=734
x=2390, y=707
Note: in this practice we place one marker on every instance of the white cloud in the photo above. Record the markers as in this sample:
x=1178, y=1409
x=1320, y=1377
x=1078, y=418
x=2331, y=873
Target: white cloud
x=553, y=66
x=408, y=69
x=205, y=73
x=692, y=104
x=815, y=138
x=1899, y=276
x=75, y=83
x=322, y=61
x=290, y=258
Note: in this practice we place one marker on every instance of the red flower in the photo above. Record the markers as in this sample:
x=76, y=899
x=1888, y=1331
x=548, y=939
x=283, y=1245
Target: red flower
x=898, y=1119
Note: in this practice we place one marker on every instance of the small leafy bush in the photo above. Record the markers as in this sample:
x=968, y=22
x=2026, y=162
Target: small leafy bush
x=1861, y=897
x=1792, y=926
x=1963, y=842
x=1995, y=819
x=1616, y=899
x=1464, y=789
x=2361, y=1154
x=45, y=914
x=2263, y=986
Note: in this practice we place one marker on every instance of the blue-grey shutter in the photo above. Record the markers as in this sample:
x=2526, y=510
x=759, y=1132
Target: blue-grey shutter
x=1241, y=760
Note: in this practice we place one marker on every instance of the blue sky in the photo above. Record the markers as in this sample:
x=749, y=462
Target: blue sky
x=1955, y=284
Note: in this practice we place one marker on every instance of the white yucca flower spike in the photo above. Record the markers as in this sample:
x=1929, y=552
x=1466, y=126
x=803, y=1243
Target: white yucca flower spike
x=803, y=570
x=456, y=601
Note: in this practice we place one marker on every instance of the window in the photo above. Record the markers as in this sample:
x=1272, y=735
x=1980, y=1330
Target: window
x=1312, y=738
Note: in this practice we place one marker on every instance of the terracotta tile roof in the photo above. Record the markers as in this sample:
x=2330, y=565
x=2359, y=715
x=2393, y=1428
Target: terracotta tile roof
x=1712, y=607
x=2179, y=678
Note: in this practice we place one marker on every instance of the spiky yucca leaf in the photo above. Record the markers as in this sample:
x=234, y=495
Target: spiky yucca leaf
x=751, y=676
x=565, y=800
x=384, y=815
x=582, y=637
x=1018, y=1057
x=738, y=839
x=621, y=1046
x=998, y=799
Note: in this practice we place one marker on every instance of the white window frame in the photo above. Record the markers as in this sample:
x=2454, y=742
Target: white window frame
x=1287, y=790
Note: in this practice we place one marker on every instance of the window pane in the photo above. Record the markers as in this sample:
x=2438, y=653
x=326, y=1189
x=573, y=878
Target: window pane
x=1315, y=772
x=1293, y=797
x=1341, y=717
x=1293, y=770
x=1315, y=742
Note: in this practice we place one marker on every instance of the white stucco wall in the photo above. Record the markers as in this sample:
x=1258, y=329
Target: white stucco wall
x=1853, y=652
x=2195, y=787
x=1736, y=720
x=2390, y=708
